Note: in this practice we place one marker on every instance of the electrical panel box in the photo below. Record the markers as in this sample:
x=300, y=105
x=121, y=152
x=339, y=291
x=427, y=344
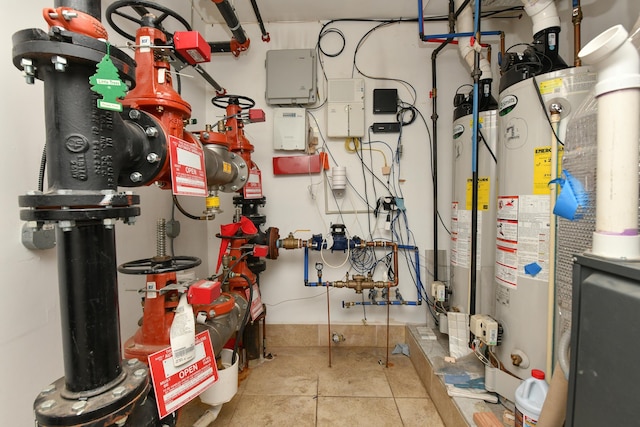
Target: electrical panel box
x=291, y=77
x=290, y=129
x=345, y=112
x=485, y=328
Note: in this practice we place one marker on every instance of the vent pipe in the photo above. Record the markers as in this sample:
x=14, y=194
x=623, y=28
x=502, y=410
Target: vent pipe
x=618, y=93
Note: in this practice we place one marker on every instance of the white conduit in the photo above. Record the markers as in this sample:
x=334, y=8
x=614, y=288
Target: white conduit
x=467, y=51
x=543, y=13
x=618, y=93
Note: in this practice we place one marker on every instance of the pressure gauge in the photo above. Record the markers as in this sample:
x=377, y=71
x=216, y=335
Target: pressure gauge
x=319, y=266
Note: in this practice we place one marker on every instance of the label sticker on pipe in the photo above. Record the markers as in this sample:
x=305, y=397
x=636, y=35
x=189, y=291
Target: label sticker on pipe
x=188, y=173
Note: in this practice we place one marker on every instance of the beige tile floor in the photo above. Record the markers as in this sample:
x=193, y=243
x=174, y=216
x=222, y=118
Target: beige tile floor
x=298, y=388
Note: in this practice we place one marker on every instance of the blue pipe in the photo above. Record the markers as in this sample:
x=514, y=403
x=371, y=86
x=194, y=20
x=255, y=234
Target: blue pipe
x=419, y=285
x=454, y=35
x=420, y=19
x=306, y=265
x=316, y=284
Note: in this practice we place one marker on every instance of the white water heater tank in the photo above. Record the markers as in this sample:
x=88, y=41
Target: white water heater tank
x=523, y=254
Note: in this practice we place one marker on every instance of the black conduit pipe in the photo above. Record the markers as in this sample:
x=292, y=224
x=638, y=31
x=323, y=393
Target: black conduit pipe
x=434, y=120
x=230, y=17
x=474, y=198
x=265, y=35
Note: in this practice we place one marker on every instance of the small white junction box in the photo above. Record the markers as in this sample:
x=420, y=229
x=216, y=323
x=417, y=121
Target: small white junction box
x=290, y=129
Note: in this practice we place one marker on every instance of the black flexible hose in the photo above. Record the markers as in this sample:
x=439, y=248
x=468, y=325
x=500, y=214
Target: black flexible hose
x=185, y=213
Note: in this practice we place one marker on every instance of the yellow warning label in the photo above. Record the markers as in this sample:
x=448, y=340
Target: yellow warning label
x=484, y=187
x=480, y=120
x=226, y=167
x=550, y=86
x=542, y=168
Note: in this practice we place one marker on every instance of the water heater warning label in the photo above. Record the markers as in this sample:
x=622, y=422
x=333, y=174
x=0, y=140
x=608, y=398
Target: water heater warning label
x=522, y=238
x=484, y=188
x=542, y=169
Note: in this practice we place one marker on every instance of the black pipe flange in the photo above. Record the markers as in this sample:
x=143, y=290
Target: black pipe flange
x=38, y=48
x=153, y=155
x=56, y=406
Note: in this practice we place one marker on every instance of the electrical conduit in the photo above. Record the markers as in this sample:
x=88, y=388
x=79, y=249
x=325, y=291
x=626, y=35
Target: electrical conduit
x=618, y=93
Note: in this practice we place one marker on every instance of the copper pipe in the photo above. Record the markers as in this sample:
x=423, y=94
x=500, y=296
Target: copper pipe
x=502, y=42
x=329, y=326
x=576, y=18
x=388, y=309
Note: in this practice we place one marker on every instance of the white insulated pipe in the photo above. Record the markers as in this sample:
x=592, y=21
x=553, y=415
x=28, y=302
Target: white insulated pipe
x=467, y=50
x=618, y=93
x=543, y=13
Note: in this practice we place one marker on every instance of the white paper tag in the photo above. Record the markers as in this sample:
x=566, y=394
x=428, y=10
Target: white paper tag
x=151, y=290
x=183, y=333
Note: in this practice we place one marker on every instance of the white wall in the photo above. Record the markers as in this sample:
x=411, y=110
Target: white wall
x=30, y=336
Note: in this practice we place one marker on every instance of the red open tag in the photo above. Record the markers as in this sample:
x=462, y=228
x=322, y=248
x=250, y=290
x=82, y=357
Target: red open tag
x=177, y=386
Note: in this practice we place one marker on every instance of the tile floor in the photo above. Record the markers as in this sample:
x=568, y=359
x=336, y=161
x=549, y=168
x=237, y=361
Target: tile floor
x=297, y=388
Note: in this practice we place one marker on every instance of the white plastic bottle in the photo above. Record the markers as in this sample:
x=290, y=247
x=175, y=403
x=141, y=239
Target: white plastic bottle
x=530, y=397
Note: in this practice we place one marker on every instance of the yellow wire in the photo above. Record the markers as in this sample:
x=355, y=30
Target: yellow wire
x=352, y=145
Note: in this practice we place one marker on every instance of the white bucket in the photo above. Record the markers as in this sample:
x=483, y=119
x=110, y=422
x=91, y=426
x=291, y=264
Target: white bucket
x=223, y=390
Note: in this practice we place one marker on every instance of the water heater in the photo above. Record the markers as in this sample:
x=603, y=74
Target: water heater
x=524, y=256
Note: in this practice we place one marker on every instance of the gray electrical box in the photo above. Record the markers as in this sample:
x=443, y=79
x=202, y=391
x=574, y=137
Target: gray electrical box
x=291, y=77
x=603, y=379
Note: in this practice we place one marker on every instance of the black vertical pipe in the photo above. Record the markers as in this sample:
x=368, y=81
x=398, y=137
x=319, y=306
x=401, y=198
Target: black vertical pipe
x=89, y=305
x=474, y=177
x=434, y=120
x=85, y=148
x=474, y=238
x=92, y=7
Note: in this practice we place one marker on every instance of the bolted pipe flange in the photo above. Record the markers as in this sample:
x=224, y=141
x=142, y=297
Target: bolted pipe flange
x=55, y=406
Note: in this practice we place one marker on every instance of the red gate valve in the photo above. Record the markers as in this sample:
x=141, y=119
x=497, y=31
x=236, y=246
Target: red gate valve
x=203, y=292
